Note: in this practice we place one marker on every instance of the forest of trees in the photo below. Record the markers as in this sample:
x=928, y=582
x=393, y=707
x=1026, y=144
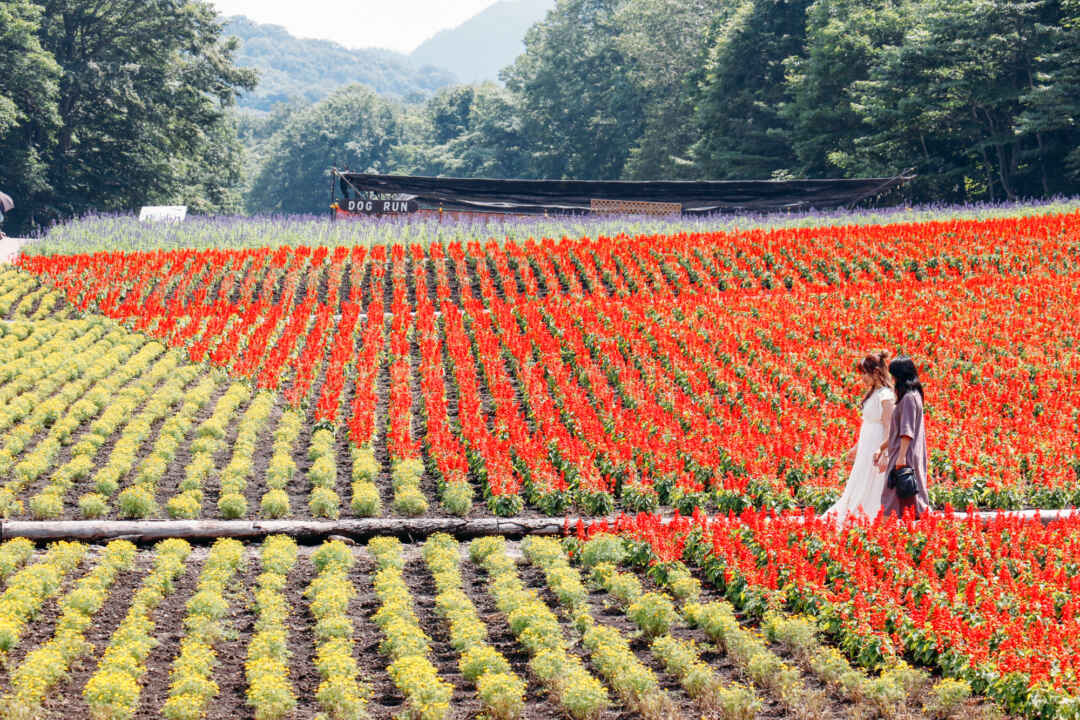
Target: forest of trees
x=96, y=118
x=981, y=98
x=308, y=70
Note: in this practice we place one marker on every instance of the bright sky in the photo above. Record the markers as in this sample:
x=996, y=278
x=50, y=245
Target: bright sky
x=393, y=24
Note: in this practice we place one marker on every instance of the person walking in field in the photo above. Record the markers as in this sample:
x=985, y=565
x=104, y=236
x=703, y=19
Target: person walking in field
x=862, y=493
x=903, y=454
x=6, y=205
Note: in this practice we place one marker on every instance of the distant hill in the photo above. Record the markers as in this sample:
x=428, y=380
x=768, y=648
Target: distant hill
x=291, y=67
x=483, y=45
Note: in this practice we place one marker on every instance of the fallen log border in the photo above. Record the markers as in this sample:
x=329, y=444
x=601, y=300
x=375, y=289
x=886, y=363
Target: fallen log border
x=147, y=531
x=357, y=529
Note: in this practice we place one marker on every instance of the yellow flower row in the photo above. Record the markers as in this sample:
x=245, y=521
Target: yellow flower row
x=191, y=683
x=160, y=404
x=340, y=694
x=282, y=468
x=17, y=341
x=886, y=694
x=51, y=413
x=537, y=628
x=241, y=466
x=426, y=694
x=270, y=692
x=209, y=440
x=324, y=500
x=28, y=589
x=121, y=413
x=610, y=652
x=112, y=693
x=49, y=664
x=33, y=351
x=38, y=303
x=26, y=415
x=138, y=500
x=500, y=690
x=13, y=554
x=749, y=651
x=86, y=369
x=655, y=613
x=405, y=479
x=14, y=284
x=365, y=495
x=50, y=501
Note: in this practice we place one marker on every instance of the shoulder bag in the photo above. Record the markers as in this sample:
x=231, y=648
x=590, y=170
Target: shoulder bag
x=902, y=480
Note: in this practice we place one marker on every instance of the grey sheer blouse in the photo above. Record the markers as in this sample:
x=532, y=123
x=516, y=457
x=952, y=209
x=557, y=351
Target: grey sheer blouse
x=907, y=420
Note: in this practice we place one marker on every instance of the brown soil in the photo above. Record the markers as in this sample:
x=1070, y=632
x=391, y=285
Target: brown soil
x=464, y=703
x=378, y=442
x=66, y=700
x=231, y=700
x=264, y=450
x=385, y=700
x=168, y=619
x=302, y=673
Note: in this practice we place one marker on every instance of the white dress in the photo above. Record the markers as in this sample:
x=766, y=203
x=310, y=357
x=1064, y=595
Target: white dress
x=862, y=494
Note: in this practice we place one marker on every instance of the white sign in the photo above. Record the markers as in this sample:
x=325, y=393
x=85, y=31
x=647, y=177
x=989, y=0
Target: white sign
x=155, y=213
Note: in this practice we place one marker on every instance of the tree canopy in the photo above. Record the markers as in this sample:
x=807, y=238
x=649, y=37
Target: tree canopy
x=353, y=129
x=117, y=103
x=980, y=97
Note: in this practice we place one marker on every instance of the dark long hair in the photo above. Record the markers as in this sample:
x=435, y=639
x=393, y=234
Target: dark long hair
x=875, y=366
x=905, y=377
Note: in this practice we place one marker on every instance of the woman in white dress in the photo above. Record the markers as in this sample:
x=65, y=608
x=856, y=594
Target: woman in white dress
x=862, y=493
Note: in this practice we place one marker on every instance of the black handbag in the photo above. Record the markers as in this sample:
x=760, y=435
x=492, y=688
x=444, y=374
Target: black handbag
x=902, y=480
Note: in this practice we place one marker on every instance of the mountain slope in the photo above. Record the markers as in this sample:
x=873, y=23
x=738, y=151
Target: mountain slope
x=291, y=67
x=480, y=47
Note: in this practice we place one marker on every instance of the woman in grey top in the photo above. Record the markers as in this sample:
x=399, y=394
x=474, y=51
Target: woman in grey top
x=905, y=445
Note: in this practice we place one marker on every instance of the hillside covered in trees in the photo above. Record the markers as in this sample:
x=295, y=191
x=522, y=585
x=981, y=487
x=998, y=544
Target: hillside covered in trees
x=292, y=68
x=981, y=98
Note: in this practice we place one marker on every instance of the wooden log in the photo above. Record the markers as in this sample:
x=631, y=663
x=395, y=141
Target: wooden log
x=147, y=531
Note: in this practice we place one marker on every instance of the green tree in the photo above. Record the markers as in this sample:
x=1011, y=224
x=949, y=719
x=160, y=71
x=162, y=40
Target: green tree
x=466, y=131
x=143, y=96
x=353, y=129
x=948, y=100
x=744, y=134
x=663, y=42
x=580, y=109
x=843, y=40
x=1052, y=102
x=28, y=113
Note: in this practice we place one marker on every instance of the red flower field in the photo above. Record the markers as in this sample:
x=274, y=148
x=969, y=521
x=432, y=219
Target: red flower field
x=703, y=370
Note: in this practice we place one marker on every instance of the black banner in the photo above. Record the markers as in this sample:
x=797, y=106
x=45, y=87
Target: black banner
x=577, y=196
